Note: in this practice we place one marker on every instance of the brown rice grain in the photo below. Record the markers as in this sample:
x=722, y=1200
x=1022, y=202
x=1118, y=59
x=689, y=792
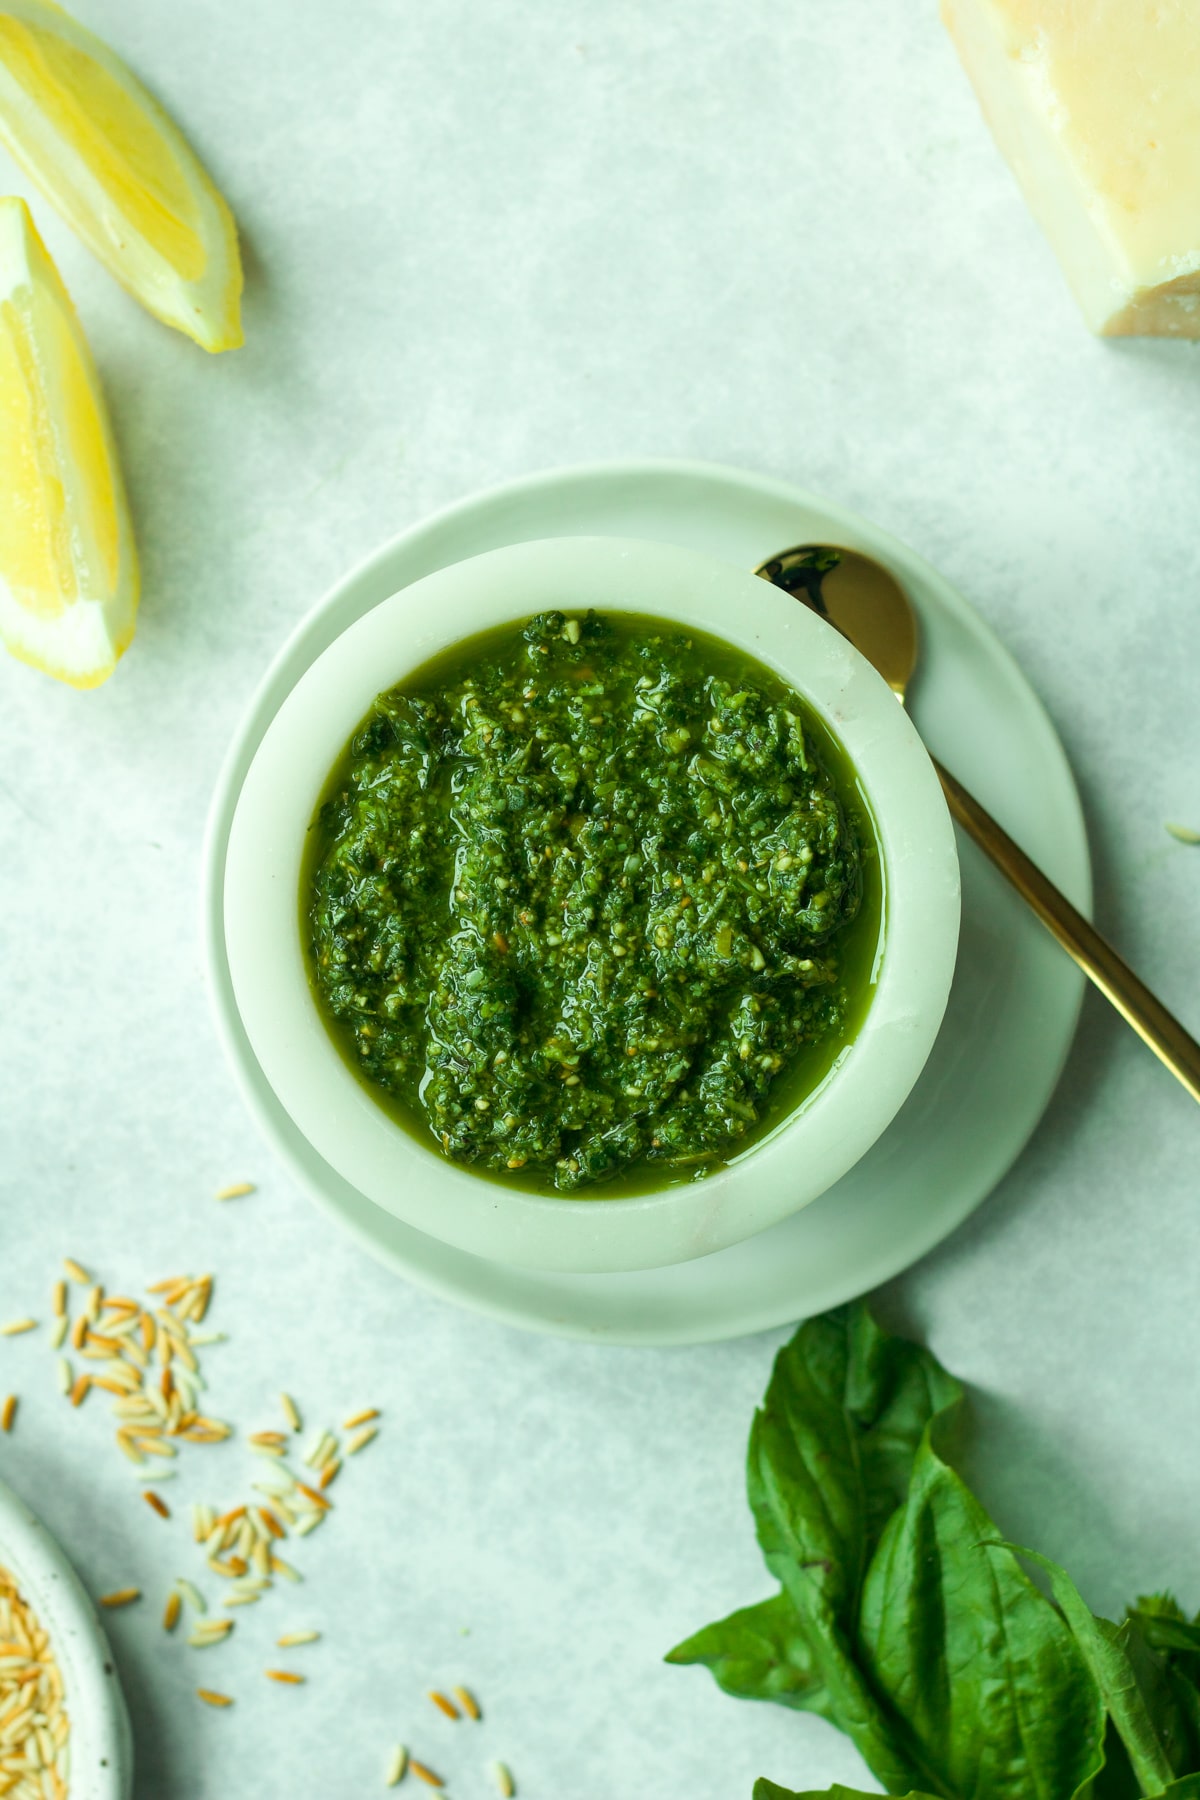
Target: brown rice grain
x=424, y=1774
x=360, y=1418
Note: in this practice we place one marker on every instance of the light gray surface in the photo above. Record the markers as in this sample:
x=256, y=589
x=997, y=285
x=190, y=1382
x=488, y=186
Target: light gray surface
x=482, y=238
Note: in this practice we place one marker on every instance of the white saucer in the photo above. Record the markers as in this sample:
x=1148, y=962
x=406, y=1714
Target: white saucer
x=1015, y=1000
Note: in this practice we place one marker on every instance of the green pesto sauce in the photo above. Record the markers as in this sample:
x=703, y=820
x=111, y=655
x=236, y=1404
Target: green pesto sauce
x=591, y=901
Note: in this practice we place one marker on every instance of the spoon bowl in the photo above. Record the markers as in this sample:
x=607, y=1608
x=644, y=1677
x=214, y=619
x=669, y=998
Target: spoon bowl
x=859, y=598
x=865, y=603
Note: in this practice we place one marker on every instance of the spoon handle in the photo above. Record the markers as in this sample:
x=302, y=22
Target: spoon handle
x=1082, y=942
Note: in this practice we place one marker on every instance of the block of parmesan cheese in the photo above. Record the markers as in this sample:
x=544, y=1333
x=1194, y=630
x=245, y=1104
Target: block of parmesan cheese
x=1096, y=105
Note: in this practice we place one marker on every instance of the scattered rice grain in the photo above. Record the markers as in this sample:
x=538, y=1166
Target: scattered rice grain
x=210, y=1632
x=8, y=1413
x=468, y=1702
x=360, y=1418
x=121, y=1597
x=76, y=1271
x=15, y=1327
x=316, y=1450
x=235, y=1191
x=361, y=1439
x=213, y=1699
x=444, y=1705
x=397, y=1766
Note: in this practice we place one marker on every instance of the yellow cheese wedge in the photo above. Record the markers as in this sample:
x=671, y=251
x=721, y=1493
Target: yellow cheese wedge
x=106, y=154
x=68, y=564
x=1096, y=105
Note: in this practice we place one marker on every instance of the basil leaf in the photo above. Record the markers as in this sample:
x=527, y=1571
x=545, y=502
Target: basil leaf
x=1186, y=1789
x=768, y=1790
x=1176, y=1638
x=1166, y=1625
x=761, y=1653
x=832, y=1447
x=830, y=1454
x=958, y=1641
x=1116, y=1780
x=1132, y=1682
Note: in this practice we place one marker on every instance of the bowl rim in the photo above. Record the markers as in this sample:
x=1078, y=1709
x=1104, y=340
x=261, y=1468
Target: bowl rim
x=477, y=1212
x=101, y=1742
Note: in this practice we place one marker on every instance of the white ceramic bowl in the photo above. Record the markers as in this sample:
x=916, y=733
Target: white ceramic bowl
x=810, y=1149
x=101, y=1746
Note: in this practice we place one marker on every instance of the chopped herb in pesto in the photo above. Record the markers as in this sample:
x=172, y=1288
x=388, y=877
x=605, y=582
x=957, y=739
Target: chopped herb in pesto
x=585, y=902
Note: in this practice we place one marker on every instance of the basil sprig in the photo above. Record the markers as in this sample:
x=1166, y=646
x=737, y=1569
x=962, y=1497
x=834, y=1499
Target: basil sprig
x=905, y=1619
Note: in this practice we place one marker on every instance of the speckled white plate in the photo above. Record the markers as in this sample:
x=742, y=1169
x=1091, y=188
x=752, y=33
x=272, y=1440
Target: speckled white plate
x=1015, y=1000
x=101, y=1746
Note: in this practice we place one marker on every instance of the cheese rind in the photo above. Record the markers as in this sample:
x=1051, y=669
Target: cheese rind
x=1096, y=106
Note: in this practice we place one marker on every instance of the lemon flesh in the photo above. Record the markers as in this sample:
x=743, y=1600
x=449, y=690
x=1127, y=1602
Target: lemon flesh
x=68, y=563
x=108, y=157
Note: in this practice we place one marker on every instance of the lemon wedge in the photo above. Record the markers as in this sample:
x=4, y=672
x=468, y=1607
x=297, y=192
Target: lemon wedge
x=108, y=157
x=68, y=563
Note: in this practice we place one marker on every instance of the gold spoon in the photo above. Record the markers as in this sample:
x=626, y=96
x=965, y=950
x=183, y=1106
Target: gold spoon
x=868, y=606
